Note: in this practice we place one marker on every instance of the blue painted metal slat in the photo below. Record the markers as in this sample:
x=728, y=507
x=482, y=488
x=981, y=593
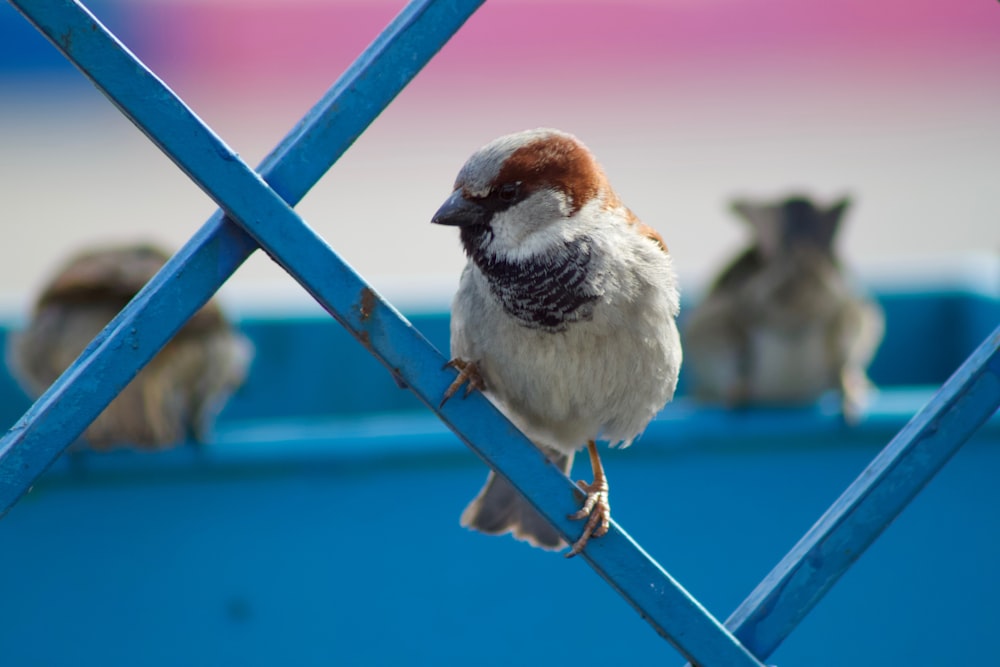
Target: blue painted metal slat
x=145, y=326
x=871, y=503
x=312, y=146
x=112, y=359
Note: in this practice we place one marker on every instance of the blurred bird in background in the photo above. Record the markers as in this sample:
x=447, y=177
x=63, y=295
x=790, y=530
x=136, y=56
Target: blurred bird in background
x=782, y=324
x=170, y=400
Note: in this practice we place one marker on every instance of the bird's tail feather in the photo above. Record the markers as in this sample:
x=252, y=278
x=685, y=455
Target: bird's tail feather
x=500, y=508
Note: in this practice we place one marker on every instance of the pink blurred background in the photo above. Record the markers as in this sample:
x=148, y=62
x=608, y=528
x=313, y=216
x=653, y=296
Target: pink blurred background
x=686, y=103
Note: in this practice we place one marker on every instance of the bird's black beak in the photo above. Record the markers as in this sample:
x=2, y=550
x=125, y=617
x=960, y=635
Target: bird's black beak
x=458, y=211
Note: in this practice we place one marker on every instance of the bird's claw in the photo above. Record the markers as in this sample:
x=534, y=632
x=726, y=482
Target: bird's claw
x=597, y=508
x=468, y=372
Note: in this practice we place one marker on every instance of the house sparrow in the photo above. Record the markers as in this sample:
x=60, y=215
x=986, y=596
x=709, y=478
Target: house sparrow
x=782, y=323
x=564, y=315
x=181, y=388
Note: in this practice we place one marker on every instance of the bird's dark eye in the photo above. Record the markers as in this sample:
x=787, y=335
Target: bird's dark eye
x=508, y=191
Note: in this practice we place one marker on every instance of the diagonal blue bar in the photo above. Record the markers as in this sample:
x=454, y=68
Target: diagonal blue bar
x=963, y=404
x=247, y=199
x=199, y=268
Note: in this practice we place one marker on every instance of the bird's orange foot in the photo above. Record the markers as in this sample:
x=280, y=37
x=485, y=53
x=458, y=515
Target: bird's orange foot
x=596, y=509
x=468, y=372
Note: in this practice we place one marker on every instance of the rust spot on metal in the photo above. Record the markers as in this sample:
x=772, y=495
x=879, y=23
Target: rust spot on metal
x=365, y=340
x=367, y=306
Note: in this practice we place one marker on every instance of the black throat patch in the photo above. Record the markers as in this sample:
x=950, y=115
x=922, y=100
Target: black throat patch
x=545, y=292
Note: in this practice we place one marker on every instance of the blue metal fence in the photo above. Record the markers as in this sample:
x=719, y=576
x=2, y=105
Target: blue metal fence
x=256, y=213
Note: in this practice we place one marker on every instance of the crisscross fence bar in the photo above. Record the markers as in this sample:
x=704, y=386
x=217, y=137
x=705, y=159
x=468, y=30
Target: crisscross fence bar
x=883, y=490
x=209, y=258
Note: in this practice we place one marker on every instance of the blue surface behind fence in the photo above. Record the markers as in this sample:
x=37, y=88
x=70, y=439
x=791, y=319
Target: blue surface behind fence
x=297, y=536
x=257, y=214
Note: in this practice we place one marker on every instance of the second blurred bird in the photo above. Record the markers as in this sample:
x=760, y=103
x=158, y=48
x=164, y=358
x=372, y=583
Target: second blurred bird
x=782, y=323
x=181, y=389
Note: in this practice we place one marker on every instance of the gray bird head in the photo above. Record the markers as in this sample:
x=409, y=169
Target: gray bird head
x=795, y=222
x=514, y=195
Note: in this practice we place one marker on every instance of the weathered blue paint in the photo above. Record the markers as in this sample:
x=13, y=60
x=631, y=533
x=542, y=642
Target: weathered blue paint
x=295, y=165
x=146, y=324
x=969, y=398
x=112, y=359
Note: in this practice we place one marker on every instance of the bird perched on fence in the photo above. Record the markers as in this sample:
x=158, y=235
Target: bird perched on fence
x=175, y=395
x=564, y=315
x=782, y=323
